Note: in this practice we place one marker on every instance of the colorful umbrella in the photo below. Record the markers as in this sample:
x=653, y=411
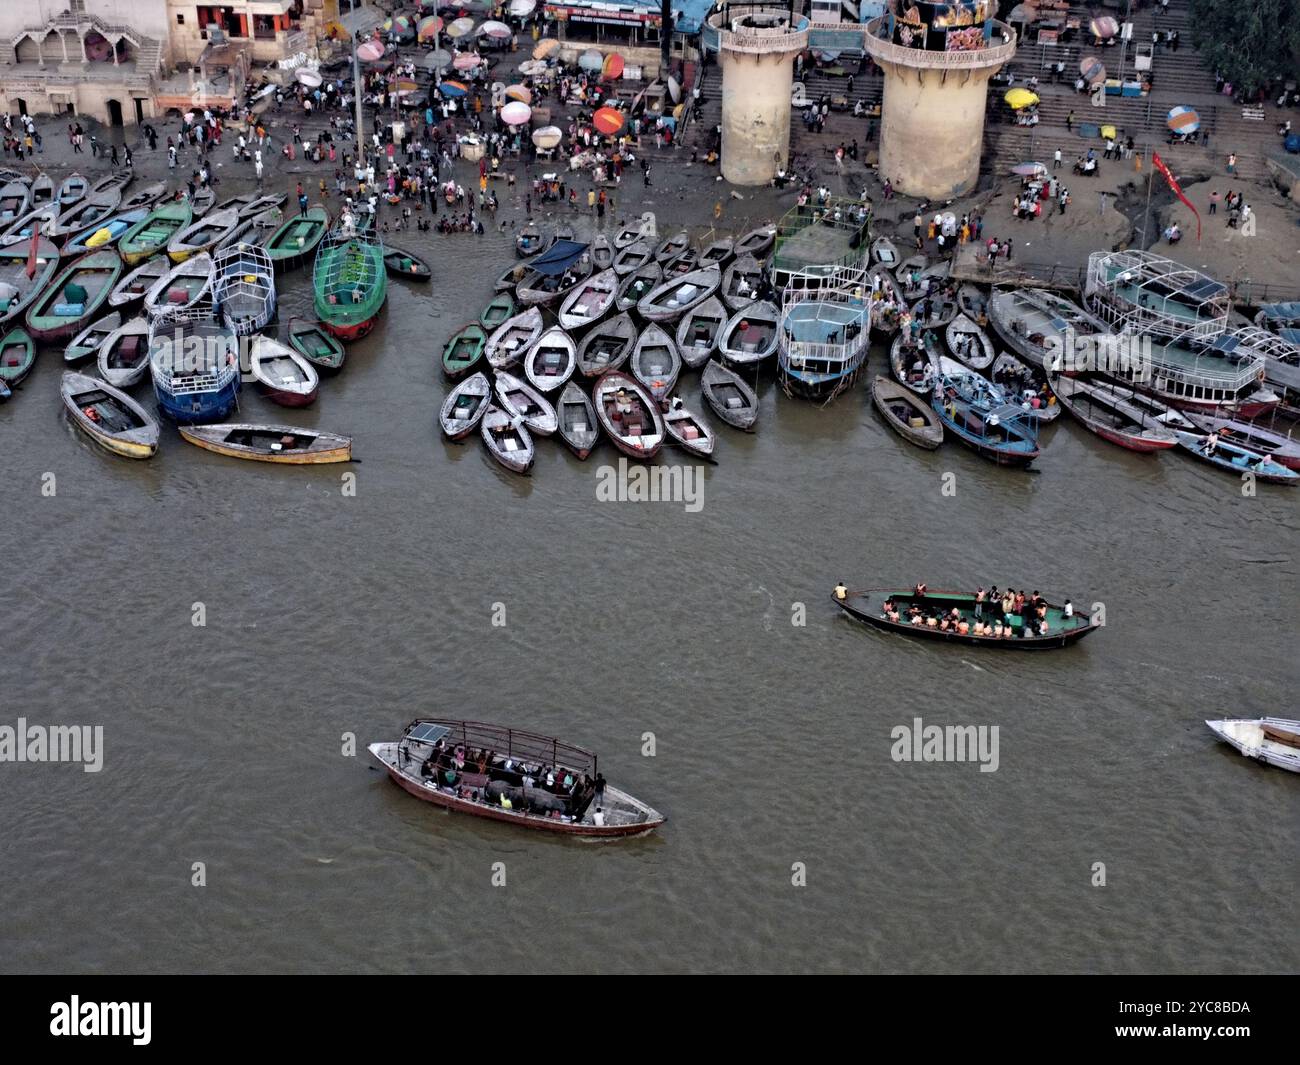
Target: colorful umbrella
x=429, y=27
x=522, y=8
x=370, y=52
x=532, y=68
x=402, y=85
x=608, y=121
x=1019, y=99
x=1029, y=169
x=453, y=88
x=547, y=136
x=591, y=60
x=1104, y=28
x=545, y=47
x=1183, y=120
x=1092, y=69
x=498, y=30
x=310, y=78
x=516, y=113
x=467, y=61
x=1109, y=132
x=519, y=92
x=460, y=27
x=612, y=68
x=438, y=59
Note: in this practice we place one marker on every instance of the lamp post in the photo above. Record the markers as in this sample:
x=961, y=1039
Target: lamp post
x=356, y=80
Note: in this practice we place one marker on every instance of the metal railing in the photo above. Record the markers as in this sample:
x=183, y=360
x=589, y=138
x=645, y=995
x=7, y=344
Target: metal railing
x=883, y=50
x=739, y=29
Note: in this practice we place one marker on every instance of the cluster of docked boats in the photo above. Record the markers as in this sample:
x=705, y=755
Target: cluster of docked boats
x=949, y=379
x=178, y=291
x=585, y=339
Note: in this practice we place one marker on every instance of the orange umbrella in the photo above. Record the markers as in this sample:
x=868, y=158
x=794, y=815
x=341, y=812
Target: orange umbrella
x=519, y=92
x=545, y=47
x=612, y=69
x=608, y=121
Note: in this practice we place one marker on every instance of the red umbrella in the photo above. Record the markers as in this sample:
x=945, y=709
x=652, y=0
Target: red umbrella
x=608, y=121
x=612, y=69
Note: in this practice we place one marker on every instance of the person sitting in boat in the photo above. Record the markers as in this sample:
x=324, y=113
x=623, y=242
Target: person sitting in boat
x=932, y=622
x=842, y=593
x=1211, y=443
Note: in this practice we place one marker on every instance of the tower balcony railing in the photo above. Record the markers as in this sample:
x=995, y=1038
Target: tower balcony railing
x=883, y=50
x=759, y=29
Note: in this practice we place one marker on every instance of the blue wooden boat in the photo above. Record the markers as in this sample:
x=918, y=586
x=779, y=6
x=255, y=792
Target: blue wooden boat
x=194, y=361
x=1235, y=459
x=979, y=414
x=84, y=241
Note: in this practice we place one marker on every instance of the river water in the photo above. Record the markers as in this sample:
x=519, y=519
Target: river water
x=329, y=615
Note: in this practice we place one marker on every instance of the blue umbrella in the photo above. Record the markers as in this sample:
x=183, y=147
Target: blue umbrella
x=453, y=88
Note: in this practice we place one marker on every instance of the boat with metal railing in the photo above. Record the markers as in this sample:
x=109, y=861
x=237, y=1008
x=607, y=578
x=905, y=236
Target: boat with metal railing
x=349, y=280
x=194, y=361
x=822, y=340
x=819, y=240
x=243, y=288
x=982, y=417
x=1141, y=292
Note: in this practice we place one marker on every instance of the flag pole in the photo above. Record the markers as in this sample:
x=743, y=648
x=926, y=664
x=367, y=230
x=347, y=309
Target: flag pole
x=1151, y=168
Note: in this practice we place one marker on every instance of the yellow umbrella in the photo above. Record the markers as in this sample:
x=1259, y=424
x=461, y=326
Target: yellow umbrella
x=98, y=237
x=545, y=47
x=1109, y=133
x=1019, y=99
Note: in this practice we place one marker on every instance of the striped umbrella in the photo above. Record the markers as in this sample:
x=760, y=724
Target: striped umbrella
x=453, y=88
x=460, y=27
x=1104, y=28
x=516, y=113
x=1183, y=120
x=429, y=27
x=532, y=68
x=608, y=121
x=1092, y=69
x=519, y=92
x=467, y=61
x=545, y=47
x=370, y=52
x=498, y=30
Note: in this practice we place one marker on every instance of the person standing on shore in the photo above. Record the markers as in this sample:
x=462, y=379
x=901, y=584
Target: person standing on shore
x=1232, y=162
x=1056, y=159
x=1214, y=202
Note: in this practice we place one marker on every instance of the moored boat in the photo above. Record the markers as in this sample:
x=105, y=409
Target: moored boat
x=43, y=191
x=689, y=431
x=72, y=190
x=637, y=284
x=1039, y=325
x=519, y=398
x=969, y=343
x=742, y=282
x=203, y=200
x=507, y=439
x=1280, y=447
x=578, y=426
x=628, y=415
x=602, y=254
x=626, y=237
x=914, y=365
x=750, y=335
x=607, y=346
x=15, y=200
x=1234, y=458
x=74, y=298
x=194, y=364
x=529, y=241
x=349, y=283
x=935, y=310
x=1273, y=741
x=17, y=356
x=509, y=775
x=656, y=363
x=281, y=373
x=730, y=396
x=243, y=288
x=978, y=414
x=907, y=413
x=202, y=234
x=1025, y=384
x=671, y=247
x=188, y=284
x=974, y=304
x=144, y=197
x=549, y=363
x=674, y=297
x=406, y=264
x=465, y=406
x=109, y=416
x=463, y=350
x=499, y=308
x=718, y=254
x=134, y=286
x=285, y=444
x=152, y=233
x=83, y=214
x=951, y=617
x=103, y=234
x=553, y=274
x=85, y=345
x=589, y=301
x=123, y=357
x=311, y=340
x=630, y=259
x=17, y=290
x=296, y=239
x=757, y=242
x=883, y=251
x=1107, y=409
x=697, y=332
x=513, y=337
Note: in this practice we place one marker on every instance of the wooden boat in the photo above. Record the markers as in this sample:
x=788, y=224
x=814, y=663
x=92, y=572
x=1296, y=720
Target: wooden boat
x=697, y=332
x=284, y=444
x=1273, y=741
x=730, y=397
x=17, y=290
x=578, y=426
x=602, y=255
x=203, y=201
x=1235, y=459
x=974, y=304
x=145, y=197
x=187, y=284
x=406, y=264
x=349, y=283
x=465, y=406
x=317, y=345
x=626, y=237
x=628, y=414
x=17, y=356
x=86, y=344
x=488, y=763
x=563, y=231
x=673, y=246
x=282, y=374
x=241, y=234
x=523, y=400
x=114, y=182
x=907, y=413
x=104, y=234
x=750, y=335
x=869, y=607
x=908, y=275
x=83, y=214
x=43, y=191
x=15, y=200
x=656, y=364
x=75, y=297
x=1005, y=434
x=630, y=259
x=73, y=190
x=685, y=263
x=718, y=253
x=943, y=309
x=243, y=288
x=153, y=232
x=296, y=239
x=123, y=357
x=549, y=363
x=690, y=432
x=39, y=219
x=529, y=241
x=133, y=286
x=513, y=337
x=969, y=343
x=507, y=439
x=757, y=242
x=589, y=301
x=1105, y=408
x=109, y=416
x=1019, y=380
x=669, y=301
x=264, y=205
x=903, y=358
x=1280, y=447
x=637, y=284
x=742, y=282
x=236, y=203
x=884, y=252
x=499, y=308
x=202, y=234
x=463, y=350
x=607, y=346
x=1036, y=323
x=538, y=288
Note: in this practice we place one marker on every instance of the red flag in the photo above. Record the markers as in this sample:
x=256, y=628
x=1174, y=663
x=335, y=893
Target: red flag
x=1159, y=164
x=31, y=255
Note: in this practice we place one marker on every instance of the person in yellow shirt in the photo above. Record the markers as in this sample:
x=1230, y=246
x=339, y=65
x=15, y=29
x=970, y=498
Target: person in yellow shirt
x=591, y=200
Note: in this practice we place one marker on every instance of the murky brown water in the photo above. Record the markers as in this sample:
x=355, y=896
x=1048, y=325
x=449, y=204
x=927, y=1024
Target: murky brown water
x=329, y=615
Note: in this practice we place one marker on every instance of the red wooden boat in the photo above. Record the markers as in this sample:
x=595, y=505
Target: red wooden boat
x=505, y=774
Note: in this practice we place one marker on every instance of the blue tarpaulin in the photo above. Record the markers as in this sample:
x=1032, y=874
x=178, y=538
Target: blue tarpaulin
x=558, y=257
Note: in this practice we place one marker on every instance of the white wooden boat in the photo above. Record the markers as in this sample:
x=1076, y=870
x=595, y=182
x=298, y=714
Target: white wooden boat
x=590, y=301
x=1272, y=740
x=549, y=363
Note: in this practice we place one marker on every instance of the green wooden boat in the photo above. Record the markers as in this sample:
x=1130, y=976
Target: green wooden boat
x=350, y=284
x=496, y=312
x=297, y=238
x=314, y=344
x=76, y=296
x=17, y=290
x=464, y=350
x=17, y=356
x=152, y=233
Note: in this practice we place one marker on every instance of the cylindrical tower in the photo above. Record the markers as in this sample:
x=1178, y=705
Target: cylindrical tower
x=757, y=44
x=937, y=59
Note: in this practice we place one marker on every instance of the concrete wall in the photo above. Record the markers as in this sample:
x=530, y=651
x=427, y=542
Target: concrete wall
x=755, y=115
x=932, y=130
x=147, y=16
